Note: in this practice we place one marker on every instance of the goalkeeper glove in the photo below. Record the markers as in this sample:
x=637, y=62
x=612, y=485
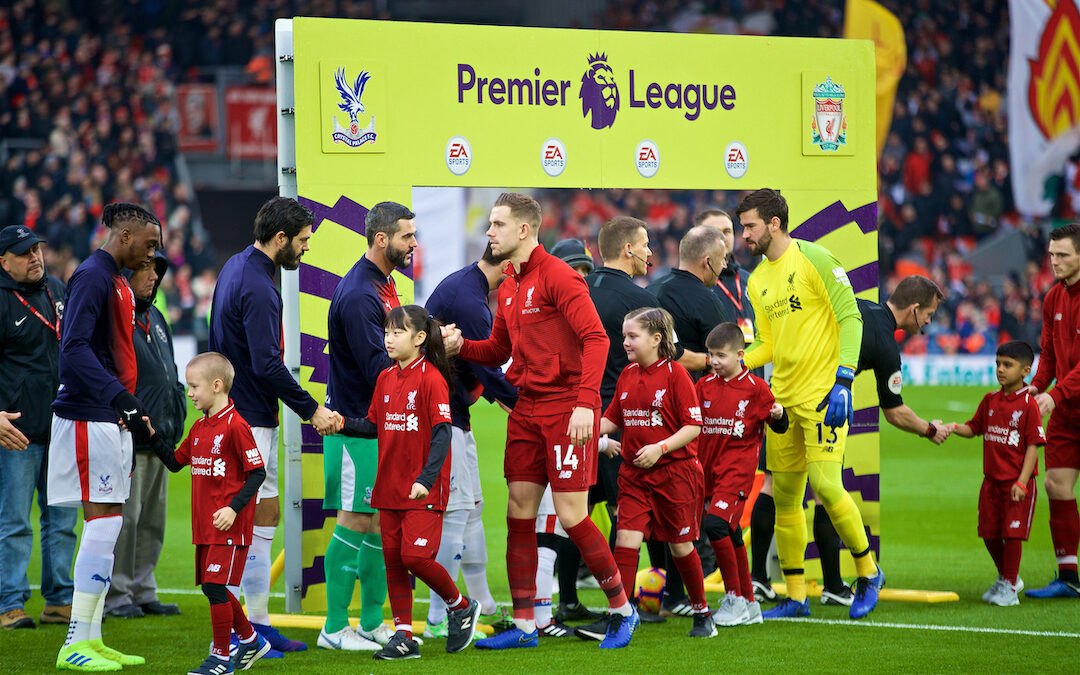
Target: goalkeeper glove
x=130, y=410
x=840, y=410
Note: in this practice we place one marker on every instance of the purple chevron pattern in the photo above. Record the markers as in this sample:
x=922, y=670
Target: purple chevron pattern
x=833, y=217
x=864, y=277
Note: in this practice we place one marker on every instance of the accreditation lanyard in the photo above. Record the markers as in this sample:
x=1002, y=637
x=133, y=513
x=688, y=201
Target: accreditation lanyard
x=737, y=300
x=33, y=310
x=146, y=328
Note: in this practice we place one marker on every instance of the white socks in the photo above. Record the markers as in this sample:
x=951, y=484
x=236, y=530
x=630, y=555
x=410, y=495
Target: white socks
x=92, y=577
x=545, y=581
x=474, y=561
x=449, y=556
x=256, y=581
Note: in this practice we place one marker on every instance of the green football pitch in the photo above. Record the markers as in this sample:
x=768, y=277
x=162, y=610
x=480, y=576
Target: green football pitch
x=928, y=496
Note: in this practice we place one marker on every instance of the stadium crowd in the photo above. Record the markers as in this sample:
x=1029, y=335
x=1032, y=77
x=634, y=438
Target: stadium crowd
x=91, y=121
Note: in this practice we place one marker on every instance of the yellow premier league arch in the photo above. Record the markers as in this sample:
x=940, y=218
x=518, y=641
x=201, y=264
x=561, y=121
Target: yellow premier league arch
x=370, y=110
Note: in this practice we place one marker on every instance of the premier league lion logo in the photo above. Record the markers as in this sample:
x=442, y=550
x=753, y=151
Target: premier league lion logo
x=599, y=94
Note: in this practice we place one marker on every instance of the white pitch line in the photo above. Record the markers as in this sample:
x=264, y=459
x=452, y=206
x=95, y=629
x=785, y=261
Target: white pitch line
x=918, y=626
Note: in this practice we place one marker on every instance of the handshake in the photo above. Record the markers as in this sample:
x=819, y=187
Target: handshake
x=327, y=421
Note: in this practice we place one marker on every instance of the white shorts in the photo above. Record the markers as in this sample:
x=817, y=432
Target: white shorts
x=266, y=440
x=546, y=520
x=89, y=461
x=464, y=471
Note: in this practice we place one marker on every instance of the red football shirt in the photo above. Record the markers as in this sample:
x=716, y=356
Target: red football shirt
x=1060, y=345
x=122, y=331
x=733, y=415
x=651, y=404
x=1008, y=423
x=547, y=323
x=406, y=405
x=221, y=452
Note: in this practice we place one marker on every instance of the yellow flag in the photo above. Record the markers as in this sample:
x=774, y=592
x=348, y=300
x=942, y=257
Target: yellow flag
x=867, y=20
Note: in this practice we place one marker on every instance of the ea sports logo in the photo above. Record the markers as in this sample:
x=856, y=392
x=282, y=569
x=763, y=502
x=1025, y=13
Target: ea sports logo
x=736, y=159
x=458, y=155
x=647, y=158
x=553, y=157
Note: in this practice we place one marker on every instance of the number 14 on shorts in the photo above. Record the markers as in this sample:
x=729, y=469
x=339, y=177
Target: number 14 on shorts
x=566, y=463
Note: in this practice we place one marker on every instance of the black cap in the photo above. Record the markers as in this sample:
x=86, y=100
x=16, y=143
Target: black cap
x=573, y=253
x=18, y=239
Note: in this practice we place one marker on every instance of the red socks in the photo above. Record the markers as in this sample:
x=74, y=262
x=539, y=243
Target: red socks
x=397, y=585
x=626, y=559
x=1065, y=532
x=521, y=561
x=689, y=567
x=996, y=548
x=1011, y=569
x=728, y=564
x=598, y=558
x=436, y=577
x=746, y=586
x=221, y=618
x=240, y=624
x=1006, y=555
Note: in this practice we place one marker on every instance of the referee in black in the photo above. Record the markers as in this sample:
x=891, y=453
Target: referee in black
x=686, y=292
x=910, y=308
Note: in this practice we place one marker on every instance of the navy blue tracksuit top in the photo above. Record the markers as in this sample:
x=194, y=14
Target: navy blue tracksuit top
x=462, y=298
x=361, y=301
x=245, y=326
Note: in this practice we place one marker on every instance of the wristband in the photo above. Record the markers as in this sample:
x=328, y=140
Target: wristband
x=931, y=430
x=1021, y=486
x=663, y=447
x=601, y=444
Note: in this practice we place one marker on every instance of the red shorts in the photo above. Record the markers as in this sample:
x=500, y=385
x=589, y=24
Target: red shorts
x=416, y=532
x=999, y=516
x=665, y=500
x=727, y=506
x=539, y=451
x=219, y=564
x=1063, y=439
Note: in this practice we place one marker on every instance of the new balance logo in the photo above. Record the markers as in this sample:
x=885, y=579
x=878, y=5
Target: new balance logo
x=1014, y=525
x=420, y=542
x=565, y=474
x=213, y=567
x=685, y=530
x=402, y=648
x=721, y=504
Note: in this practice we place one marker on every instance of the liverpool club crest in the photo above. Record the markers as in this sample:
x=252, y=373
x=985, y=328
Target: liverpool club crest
x=828, y=125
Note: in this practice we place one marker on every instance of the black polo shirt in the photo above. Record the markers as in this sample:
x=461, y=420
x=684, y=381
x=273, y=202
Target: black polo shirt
x=695, y=308
x=880, y=352
x=615, y=295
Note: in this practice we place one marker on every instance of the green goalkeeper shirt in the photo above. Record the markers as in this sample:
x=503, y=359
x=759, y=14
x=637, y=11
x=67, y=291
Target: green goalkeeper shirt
x=808, y=322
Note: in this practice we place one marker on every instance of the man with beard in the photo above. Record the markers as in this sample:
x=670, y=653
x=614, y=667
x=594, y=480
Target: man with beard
x=31, y=305
x=245, y=326
x=357, y=355
x=808, y=324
